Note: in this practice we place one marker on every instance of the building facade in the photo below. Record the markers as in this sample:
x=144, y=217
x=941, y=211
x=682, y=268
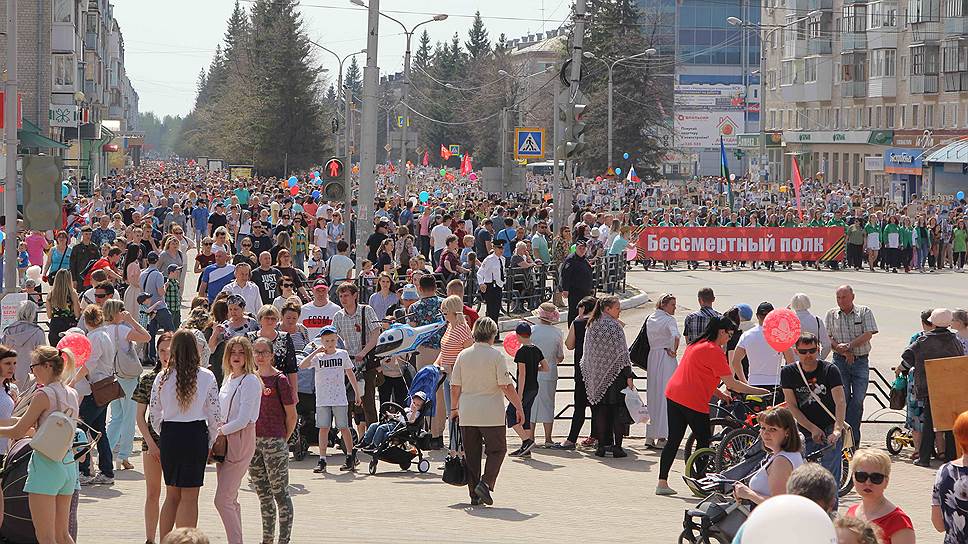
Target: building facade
x=73, y=86
x=863, y=91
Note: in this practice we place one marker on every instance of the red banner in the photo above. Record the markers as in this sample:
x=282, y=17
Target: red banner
x=742, y=243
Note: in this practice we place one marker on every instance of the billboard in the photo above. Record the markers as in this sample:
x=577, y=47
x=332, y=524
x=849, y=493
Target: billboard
x=710, y=96
x=703, y=128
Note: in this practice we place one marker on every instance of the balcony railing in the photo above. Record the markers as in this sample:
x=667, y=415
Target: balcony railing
x=956, y=26
x=882, y=87
x=853, y=89
x=851, y=41
x=921, y=84
x=956, y=81
x=818, y=46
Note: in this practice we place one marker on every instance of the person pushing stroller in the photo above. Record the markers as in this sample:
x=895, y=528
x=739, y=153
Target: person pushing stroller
x=377, y=433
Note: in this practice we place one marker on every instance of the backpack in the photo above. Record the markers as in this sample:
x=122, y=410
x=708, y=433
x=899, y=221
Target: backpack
x=127, y=364
x=55, y=436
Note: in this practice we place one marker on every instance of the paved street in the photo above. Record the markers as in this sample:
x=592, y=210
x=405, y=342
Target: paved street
x=558, y=496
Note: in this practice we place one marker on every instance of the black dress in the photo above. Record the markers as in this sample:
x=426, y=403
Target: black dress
x=610, y=417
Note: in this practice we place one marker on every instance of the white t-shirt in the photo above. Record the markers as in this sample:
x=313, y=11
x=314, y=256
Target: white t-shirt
x=330, y=377
x=339, y=267
x=321, y=237
x=438, y=236
x=764, y=360
x=323, y=210
x=314, y=318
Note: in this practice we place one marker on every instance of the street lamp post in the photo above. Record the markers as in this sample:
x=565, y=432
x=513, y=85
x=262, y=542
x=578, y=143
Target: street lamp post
x=339, y=93
x=611, y=66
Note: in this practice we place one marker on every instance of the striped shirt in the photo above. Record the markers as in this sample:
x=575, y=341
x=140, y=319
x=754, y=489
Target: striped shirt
x=843, y=327
x=453, y=342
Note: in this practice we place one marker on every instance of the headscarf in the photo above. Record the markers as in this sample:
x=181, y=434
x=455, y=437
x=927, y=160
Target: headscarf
x=605, y=355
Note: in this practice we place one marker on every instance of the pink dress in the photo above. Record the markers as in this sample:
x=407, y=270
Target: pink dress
x=36, y=243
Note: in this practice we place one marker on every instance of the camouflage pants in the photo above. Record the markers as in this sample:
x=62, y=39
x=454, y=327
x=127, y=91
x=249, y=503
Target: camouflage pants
x=269, y=474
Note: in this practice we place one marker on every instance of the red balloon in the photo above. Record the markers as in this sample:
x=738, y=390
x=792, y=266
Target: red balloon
x=512, y=344
x=79, y=346
x=294, y=190
x=781, y=328
x=598, y=179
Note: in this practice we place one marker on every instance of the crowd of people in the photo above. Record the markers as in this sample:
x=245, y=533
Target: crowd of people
x=278, y=334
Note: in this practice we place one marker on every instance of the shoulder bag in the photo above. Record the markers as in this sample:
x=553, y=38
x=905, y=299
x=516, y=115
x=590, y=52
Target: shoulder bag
x=848, y=433
x=370, y=362
x=639, y=351
x=106, y=389
x=455, y=468
x=127, y=365
x=221, y=446
x=55, y=436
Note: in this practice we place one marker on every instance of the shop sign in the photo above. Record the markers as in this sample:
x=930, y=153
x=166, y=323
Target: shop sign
x=903, y=160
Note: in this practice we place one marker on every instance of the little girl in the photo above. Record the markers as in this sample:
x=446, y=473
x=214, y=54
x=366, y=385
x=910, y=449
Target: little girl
x=315, y=265
x=368, y=271
x=23, y=260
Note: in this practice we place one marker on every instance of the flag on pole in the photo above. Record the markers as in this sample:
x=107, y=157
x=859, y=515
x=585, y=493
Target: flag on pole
x=632, y=176
x=724, y=170
x=426, y=159
x=465, y=165
x=797, y=182
x=444, y=152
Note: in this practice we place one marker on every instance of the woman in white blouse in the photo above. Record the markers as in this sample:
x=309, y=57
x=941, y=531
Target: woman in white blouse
x=99, y=365
x=664, y=343
x=184, y=411
x=239, y=401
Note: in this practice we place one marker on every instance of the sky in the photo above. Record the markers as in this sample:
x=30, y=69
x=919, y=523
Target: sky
x=167, y=44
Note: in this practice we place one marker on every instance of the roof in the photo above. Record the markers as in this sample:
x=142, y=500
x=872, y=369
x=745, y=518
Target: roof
x=956, y=152
x=31, y=137
x=550, y=45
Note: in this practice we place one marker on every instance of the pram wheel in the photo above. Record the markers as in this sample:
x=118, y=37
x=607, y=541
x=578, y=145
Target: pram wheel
x=423, y=466
x=405, y=465
x=689, y=537
x=372, y=467
x=896, y=440
x=699, y=463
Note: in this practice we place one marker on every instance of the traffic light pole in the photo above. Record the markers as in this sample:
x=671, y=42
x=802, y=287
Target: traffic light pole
x=10, y=137
x=368, y=159
x=566, y=183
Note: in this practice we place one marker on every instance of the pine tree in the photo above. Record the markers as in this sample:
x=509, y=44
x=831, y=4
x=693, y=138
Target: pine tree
x=421, y=58
x=353, y=79
x=237, y=31
x=477, y=44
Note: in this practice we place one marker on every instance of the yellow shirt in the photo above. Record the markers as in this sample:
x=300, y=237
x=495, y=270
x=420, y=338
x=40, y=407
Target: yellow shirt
x=480, y=371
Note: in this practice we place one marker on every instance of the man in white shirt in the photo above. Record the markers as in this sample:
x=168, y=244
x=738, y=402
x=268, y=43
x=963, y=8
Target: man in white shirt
x=248, y=290
x=438, y=239
x=320, y=313
x=764, y=361
x=490, y=277
x=340, y=266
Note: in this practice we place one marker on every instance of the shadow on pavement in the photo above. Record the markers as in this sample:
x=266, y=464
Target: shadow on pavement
x=489, y=512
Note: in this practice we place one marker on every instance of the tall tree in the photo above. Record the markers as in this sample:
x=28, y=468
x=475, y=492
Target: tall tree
x=421, y=58
x=353, y=79
x=477, y=43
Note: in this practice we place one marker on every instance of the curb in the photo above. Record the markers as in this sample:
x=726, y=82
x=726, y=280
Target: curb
x=632, y=302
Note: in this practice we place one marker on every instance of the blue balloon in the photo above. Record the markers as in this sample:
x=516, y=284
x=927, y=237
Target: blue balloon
x=315, y=194
x=316, y=174
x=424, y=196
x=625, y=156
x=437, y=192
x=293, y=180
x=618, y=171
x=960, y=195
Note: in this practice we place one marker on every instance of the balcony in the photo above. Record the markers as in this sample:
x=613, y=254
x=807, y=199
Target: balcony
x=793, y=49
x=90, y=40
x=792, y=93
x=851, y=41
x=956, y=26
x=818, y=46
x=922, y=84
x=62, y=38
x=813, y=5
x=853, y=89
x=955, y=81
x=884, y=37
x=882, y=87
x=925, y=32
x=820, y=90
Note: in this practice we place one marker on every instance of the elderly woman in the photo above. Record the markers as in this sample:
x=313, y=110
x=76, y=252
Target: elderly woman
x=781, y=438
x=549, y=339
x=22, y=336
x=664, y=338
x=478, y=386
x=607, y=371
x=809, y=322
x=871, y=471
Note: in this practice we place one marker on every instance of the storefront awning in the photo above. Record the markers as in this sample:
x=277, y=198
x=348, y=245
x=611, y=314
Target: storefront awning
x=956, y=152
x=31, y=137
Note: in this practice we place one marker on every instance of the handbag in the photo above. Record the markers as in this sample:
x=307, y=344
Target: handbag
x=639, y=352
x=898, y=396
x=127, y=365
x=55, y=436
x=455, y=467
x=220, y=448
x=848, y=433
x=105, y=390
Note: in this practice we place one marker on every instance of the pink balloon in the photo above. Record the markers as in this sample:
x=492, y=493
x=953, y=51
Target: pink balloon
x=79, y=346
x=512, y=344
x=631, y=253
x=781, y=328
x=598, y=179
x=472, y=177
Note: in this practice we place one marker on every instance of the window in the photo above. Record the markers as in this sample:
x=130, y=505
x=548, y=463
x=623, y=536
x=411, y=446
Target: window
x=860, y=118
x=890, y=59
x=915, y=117
x=837, y=118
x=810, y=69
x=771, y=77
x=954, y=115
x=902, y=66
x=889, y=116
x=63, y=11
x=773, y=119
x=867, y=117
x=877, y=117
x=813, y=27
x=954, y=56
x=929, y=116
x=64, y=73
x=882, y=62
x=917, y=60
x=954, y=8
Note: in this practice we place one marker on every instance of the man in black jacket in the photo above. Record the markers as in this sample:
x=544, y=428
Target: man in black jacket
x=83, y=254
x=576, y=279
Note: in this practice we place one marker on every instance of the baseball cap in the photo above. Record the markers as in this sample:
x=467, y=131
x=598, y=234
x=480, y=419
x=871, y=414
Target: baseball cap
x=143, y=297
x=320, y=284
x=523, y=329
x=581, y=242
x=420, y=395
x=153, y=257
x=745, y=312
x=941, y=317
x=173, y=267
x=764, y=308
x=410, y=292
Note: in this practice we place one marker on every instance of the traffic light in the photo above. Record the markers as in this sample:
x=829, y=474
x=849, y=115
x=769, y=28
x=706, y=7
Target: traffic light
x=335, y=178
x=575, y=127
x=42, y=192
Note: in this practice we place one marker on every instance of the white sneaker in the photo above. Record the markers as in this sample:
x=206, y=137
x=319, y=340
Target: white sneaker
x=86, y=480
x=101, y=479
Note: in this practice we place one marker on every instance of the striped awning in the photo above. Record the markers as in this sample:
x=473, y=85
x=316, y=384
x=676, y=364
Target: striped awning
x=956, y=152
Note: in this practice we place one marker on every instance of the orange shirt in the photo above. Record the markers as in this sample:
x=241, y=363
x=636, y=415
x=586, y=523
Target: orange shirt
x=697, y=376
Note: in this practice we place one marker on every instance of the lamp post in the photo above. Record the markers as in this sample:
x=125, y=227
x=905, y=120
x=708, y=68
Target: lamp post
x=10, y=140
x=765, y=38
x=340, y=93
x=611, y=66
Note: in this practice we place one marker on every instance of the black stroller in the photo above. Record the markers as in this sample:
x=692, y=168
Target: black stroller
x=404, y=443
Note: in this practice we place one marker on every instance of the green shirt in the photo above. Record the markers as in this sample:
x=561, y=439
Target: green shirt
x=890, y=229
x=959, y=241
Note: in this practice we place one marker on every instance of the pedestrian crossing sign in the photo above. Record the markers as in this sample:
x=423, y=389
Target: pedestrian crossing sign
x=529, y=143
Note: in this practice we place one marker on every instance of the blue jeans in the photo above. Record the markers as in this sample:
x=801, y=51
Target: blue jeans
x=94, y=416
x=121, y=425
x=161, y=322
x=832, y=458
x=376, y=433
x=856, y=377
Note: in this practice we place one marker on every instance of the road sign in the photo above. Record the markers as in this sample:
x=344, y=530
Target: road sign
x=529, y=143
x=388, y=147
x=454, y=149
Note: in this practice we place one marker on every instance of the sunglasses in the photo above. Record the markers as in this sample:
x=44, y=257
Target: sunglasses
x=289, y=285
x=100, y=295
x=262, y=352
x=206, y=243
x=37, y=364
x=806, y=351
x=876, y=478
x=246, y=245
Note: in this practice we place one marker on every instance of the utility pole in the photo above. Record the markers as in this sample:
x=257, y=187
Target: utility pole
x=567, y=181
x=368, y=158
x=558, y=194
x=10, y=137
x=404, y=107
x=348, y=195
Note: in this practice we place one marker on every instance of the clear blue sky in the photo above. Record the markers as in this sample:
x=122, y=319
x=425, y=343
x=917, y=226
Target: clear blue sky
x=168, y=43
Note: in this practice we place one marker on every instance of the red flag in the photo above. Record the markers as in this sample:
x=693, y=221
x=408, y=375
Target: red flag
x=444, y=152
x=426, y=159
x=797, y=181
x=465, y=165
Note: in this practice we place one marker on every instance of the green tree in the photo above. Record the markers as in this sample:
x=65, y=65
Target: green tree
x=421, y=58
x=353, y=79
x=477, y=43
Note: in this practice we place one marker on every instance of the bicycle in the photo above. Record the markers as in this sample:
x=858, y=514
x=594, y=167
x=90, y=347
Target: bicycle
x=738, y=413
x=898, y=439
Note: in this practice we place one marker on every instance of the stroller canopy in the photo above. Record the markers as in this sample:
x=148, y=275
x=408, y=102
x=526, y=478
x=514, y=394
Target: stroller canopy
x=427, y=380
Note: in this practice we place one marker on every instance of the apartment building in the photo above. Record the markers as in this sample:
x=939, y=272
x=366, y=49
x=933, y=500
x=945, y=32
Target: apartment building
x=868, y=92
x=77, y=100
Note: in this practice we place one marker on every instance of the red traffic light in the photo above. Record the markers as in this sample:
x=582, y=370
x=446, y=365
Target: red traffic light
x=333, y=169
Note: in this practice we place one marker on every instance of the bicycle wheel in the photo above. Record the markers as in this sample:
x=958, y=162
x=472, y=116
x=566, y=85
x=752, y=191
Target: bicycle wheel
x=717, y=435
x=732, y=449
x=846, y=482
x=896, y=440
x=698, y=464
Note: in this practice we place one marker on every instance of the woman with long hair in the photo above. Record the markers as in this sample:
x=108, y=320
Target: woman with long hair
x=51, y=483
x=300, y=240
x=781, y=439
x=8, y=394
x=269, y=469
x=150, y=454
x=184, y=412
x=239, y=401
x=59, y=258
x=63, y=306
x=124, y=330
x=405, y=251
x=222, y=241
x=283, y=350
x=384, y=257
x=99, y=366
x=283, y=242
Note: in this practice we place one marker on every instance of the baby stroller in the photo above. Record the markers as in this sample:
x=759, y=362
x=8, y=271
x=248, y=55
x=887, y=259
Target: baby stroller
x=403, y=444
x=715, y=520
